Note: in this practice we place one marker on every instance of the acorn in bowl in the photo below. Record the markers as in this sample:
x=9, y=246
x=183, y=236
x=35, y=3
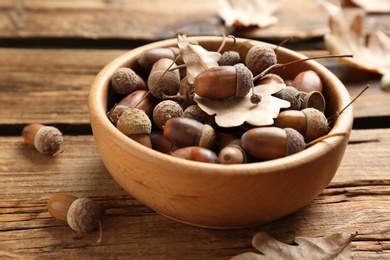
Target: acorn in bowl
x=210, y=193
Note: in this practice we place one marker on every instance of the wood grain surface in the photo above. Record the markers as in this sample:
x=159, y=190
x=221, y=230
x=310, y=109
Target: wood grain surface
x=50, y=52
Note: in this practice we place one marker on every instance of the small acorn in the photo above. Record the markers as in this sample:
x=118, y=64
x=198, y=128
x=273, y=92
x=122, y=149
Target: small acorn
x=196, y=153
x=224, y=82
x=307, y=81
x=115, y=112
x=189, y=132
x=149, y=57
x=229, y=58
x=164, y=111
x=125, y=80
x=268, y=143
x=271, y=78
x=259, y=58
x=163, y=82
x=81, y=214
x=195, y=112
x=309, y=122
x=233, y=153
x=47, y=140
x=160, y=143
x=291, y=95
x=140, y=99
x=136, y=124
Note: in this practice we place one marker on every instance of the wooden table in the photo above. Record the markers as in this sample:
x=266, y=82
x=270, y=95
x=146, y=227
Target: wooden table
x=50, y=51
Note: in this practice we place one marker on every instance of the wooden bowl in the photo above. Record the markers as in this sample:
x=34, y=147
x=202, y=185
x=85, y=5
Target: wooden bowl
x=214, y=195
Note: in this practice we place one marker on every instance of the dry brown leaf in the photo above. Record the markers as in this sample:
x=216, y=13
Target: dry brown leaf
x=196, y=58
x=248, y=13
x=235, y=111
x=372, y=56
x=334, y=246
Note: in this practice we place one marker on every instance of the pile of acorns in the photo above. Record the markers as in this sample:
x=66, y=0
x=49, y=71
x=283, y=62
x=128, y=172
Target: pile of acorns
x=160, y=112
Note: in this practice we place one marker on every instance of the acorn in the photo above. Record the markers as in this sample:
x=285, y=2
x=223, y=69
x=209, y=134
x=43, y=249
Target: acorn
x=224, y=82
x=196, y=153
x=149, y=57
x=291, y=95
x=189, y=132
x=229, y=58
x=47, y=140
x=160, y=143
x=141, y=99
x=81, y=214
x=161, y=81
x=271, y=78
x=233, y=153
x=259, y=58
x=115, y=112
x=125, y=80
x=136, y=124
x=268, y=143
x=195, y=112
x=307, y=81
x=164, y=111
x=309, y=122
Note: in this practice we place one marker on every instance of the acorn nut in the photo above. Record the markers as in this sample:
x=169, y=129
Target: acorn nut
x=47, y=140
x=189, y=132
x=196, y=153
x=224, y=82
x=125, y=80
x=164, y=111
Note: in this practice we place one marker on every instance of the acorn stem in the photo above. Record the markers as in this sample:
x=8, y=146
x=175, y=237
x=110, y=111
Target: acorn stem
x=278, y=65
x=100, y=233
x=350, y=103
x=322, y=138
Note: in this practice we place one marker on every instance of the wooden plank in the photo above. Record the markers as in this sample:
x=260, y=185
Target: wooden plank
x=356, y=200
x=152, y=20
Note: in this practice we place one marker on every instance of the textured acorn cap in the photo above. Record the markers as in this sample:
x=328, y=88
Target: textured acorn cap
x=229, y=58
x=134, y=121
x=316, y=124
x=160, y=85
x=259, y=58
x=314, y=99
x=295, y=141
x=124, y=81
x=164, y=111
x=244, y=80
x=291, y=95
x=207, y=138
x=84, y=215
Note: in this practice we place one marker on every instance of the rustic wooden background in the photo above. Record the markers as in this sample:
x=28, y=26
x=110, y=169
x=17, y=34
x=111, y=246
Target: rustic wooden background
x=51, y=50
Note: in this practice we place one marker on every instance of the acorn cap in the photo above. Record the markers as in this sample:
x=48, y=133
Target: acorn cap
x=48, y=140
x=164, y=111
x=207, y=138
x=316, y=124
x=291, y=95
x=229, y=58
x=244, y=80
x=134, y=121
x=84, y=215
x=124, y=81
x=160, y=85
x=259, y=58
x=314, y=99
x=295, y=141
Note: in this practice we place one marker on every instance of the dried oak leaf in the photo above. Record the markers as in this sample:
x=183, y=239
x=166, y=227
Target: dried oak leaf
x=248, y=13
x=235, y=111
x=334, y=246
x=372, y=54
x=196, y=58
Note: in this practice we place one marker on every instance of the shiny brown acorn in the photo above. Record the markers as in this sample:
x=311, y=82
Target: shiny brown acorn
x=307, y=81
x=268, y=143
x=149, y=57
x=184, y=132
x=196, y=153
x=224, y=82
x=309, y=122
